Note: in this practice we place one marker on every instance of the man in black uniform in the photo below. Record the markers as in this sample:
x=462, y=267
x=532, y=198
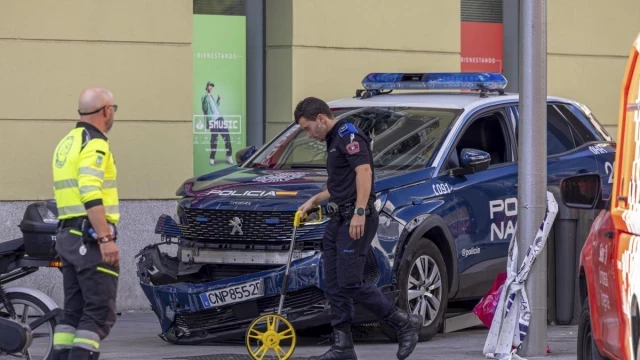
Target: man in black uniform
x=350, y=231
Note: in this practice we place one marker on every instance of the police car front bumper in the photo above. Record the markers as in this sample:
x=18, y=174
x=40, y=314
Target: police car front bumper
x=191, y=313
x=218, y=310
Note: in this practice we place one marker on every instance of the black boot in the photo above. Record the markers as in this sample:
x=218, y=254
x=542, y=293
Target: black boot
x=342, y=348
x=407, y=328
x=61, y=354
x=78, y=353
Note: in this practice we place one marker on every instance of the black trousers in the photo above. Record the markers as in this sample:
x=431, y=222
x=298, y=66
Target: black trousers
x=344, y=260
x=90, y=290
x=222, y=131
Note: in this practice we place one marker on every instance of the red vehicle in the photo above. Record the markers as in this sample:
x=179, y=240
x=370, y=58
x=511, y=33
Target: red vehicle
x=609, y=272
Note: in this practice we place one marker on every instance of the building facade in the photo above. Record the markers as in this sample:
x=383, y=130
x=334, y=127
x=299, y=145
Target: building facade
x=143, y=51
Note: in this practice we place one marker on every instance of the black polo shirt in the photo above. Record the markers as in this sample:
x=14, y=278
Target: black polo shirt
x=347, y=148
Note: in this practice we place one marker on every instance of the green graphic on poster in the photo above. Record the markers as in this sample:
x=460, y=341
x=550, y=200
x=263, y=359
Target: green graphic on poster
x=219, y=96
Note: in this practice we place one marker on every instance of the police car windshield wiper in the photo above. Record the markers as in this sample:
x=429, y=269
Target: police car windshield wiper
x=308, y=166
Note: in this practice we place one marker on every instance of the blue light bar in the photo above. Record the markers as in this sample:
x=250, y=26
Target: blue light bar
x=435, y=81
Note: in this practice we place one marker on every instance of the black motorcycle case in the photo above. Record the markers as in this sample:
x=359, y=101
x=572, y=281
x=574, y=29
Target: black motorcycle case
x=39, y=225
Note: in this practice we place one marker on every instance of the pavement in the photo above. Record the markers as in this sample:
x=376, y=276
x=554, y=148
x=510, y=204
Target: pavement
x=135, y=336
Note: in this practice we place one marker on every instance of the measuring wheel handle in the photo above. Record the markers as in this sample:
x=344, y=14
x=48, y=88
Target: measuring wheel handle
x=270, y=341
x=300, y=218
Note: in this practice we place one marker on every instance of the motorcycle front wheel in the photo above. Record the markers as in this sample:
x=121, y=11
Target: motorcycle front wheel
x=28, y=309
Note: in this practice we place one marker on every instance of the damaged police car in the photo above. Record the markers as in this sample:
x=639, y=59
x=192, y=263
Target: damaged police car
x=444, y=148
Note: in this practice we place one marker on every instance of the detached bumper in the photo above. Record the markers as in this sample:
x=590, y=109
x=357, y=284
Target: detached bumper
x=185, y=319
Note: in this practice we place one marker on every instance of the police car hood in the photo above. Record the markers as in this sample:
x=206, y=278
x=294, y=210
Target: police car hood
x=238, y=183
x=237, y=187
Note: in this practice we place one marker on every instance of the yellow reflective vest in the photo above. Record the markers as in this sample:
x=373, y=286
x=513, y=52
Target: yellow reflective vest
x=84, y=174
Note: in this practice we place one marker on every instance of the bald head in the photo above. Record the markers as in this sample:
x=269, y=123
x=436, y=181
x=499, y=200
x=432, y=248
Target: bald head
x=96, y=107
x=94, y=98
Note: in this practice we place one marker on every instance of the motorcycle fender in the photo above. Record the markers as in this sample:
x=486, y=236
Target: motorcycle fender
x=35, y=293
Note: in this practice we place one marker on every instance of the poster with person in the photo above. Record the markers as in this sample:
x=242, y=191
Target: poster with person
x=219, y=96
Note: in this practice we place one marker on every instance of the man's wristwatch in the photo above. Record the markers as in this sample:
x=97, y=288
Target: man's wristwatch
x=106, y=238
x=359, y=211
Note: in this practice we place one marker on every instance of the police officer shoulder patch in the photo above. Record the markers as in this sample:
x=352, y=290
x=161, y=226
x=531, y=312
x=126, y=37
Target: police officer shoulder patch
x=353, y=147
x=347, y=128
x=99, y=158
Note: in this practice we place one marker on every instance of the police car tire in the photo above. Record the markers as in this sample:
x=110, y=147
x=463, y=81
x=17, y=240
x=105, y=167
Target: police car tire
x=586, y=345
x=415, y=249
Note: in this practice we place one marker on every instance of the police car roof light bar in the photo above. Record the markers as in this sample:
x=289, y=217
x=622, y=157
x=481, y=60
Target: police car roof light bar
x=483, y=82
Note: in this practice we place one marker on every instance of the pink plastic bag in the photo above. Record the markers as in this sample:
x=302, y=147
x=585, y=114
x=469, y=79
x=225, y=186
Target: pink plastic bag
x=486, y=308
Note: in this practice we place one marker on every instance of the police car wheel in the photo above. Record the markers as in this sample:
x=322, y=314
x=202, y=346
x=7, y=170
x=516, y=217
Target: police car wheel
x=424, y=283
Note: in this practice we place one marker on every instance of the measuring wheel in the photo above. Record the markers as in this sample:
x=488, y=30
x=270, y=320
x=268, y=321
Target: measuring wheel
x=272, y=333
x=271, y=337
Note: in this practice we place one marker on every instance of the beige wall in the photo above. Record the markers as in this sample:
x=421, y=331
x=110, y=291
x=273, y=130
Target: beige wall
x=588, y=45
x=308, y=54
x=139, y=49
x=332, y=45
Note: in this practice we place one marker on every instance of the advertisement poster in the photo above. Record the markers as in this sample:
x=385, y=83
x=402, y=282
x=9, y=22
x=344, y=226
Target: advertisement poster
x=219, y=96
x=481, y=47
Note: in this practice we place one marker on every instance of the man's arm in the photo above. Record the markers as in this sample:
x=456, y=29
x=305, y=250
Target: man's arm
x=358, y=156
x=356, y=150
x=93, y=159
x=320, y=197
x=314, y=201
x=204, y=104
x=363, y=184
x=98, y=219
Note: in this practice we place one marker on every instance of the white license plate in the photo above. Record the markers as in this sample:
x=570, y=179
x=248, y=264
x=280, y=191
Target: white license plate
x=233, y=294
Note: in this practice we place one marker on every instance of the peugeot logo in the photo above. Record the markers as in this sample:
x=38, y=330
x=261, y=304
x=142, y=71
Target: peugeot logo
x=236, y=222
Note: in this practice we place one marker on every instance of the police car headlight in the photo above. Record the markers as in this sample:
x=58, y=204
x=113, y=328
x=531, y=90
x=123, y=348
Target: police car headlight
x=381, y=199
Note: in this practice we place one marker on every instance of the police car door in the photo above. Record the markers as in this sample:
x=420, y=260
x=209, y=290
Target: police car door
x=486, y=200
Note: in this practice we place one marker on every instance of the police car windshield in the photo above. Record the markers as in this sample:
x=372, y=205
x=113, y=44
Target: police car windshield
x=402, y=138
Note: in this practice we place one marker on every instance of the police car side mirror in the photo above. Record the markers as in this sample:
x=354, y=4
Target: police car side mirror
x=472, y=161
x=581, y=191
x=244, y=154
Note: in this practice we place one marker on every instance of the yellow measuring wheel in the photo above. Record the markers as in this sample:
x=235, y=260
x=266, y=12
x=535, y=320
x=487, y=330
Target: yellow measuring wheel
x=271, y=336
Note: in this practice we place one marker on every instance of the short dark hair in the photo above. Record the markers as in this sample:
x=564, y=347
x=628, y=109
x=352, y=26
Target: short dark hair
x=311, y=107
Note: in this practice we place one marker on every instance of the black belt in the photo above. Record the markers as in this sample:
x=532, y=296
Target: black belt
x=346, y=210
x=75, y=222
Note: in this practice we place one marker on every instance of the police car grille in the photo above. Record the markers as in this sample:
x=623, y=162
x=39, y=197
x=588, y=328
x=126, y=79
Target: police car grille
x=257, y=226
x=224, y=318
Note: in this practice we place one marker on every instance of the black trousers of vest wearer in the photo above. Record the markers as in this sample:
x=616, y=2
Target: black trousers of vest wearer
x=90, y=289
x=344, y=259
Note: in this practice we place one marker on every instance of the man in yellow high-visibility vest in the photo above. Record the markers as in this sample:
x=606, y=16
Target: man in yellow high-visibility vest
x=84, y=178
